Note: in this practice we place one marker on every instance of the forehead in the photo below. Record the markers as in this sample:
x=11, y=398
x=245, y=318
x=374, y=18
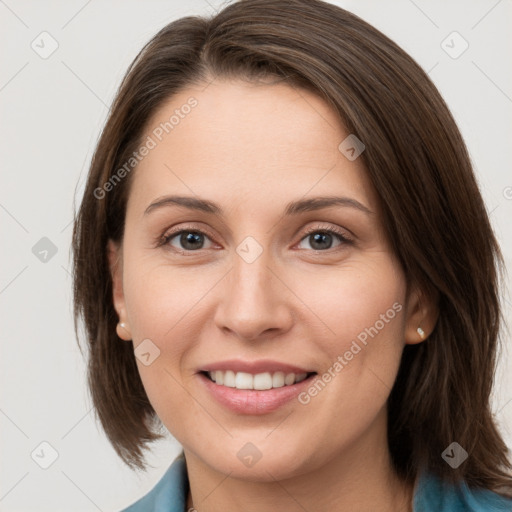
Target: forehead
x=247, y=142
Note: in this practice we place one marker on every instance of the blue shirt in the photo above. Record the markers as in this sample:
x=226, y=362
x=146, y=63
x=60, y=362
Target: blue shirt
x=430, y=495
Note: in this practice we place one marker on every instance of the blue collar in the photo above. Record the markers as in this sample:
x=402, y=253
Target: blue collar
x=433, y=494
x=169, y=494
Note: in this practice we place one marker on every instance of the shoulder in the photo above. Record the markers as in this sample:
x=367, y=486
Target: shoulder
x=431, y=493
x=169, y=494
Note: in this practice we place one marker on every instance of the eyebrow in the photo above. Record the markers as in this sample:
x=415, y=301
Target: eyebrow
x=293, y=208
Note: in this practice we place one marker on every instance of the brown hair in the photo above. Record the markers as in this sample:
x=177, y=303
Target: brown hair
x=433, y=211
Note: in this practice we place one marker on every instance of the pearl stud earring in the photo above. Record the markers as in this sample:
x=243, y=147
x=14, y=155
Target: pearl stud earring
x=421, y=332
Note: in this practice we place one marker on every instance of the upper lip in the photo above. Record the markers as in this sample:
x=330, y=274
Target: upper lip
x=254, y=367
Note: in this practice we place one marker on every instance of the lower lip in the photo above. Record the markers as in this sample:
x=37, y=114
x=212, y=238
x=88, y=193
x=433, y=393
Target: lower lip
x=249, y=401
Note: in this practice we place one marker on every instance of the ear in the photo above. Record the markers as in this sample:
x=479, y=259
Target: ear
x=422, y=311
x=115, y=261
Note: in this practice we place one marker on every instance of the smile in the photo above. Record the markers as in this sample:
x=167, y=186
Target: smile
x=256, y=395
x=259, y=381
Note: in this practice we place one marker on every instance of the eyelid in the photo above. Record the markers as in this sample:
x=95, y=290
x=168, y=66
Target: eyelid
x=331, y=229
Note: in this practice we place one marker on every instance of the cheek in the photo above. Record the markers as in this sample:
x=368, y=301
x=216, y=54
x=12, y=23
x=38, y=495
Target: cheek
x=355, y=299
x=361, y=313
x=160, y=299
x=161, y=303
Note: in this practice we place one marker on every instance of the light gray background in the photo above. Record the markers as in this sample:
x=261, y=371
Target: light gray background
x=52, y=111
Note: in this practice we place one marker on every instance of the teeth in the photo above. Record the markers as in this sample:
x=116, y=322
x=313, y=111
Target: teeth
x=243, y=381
x=260, y=381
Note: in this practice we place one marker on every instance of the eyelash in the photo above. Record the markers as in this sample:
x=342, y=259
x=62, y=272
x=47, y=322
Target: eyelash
x=342, y=237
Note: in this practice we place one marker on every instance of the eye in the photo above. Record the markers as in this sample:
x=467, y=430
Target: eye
x=193, y=240
x=322, y=238
x=187, y=240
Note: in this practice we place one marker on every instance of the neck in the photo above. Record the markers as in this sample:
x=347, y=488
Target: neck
x=359, y=478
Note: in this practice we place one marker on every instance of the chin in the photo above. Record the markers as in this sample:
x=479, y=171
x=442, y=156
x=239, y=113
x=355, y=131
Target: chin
x=258, y=462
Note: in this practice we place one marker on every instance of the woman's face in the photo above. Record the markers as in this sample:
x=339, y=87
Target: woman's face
x=261, y=280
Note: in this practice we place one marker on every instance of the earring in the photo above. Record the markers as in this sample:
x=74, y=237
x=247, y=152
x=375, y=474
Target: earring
x=125, y=329
x=421, y=332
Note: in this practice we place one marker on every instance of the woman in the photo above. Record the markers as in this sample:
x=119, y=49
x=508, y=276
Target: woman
x=283, y=257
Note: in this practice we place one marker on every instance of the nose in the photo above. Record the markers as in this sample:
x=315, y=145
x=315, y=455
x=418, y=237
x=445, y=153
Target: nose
x=254, y=301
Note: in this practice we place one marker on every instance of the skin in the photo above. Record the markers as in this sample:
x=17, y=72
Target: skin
x=252, y=148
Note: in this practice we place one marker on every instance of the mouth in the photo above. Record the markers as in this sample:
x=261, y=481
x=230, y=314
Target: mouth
x=256, y=382
x=254, y=393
